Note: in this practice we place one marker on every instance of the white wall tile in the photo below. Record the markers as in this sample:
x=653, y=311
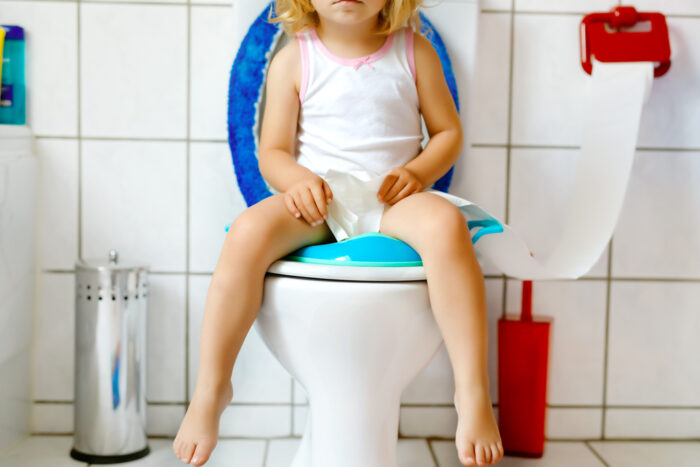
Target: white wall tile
x=52, y=418
x=573, y=423
x=636, y=454
x=652, y=423
x=166, y=337
x=300, y=418
x=492, y=79
x=672, y=116
x=257, y=375
x=495, y=4
x=413, y=453
x=133, y=200
x=542, y=182
x=54, y=338
x=662, y=200
x=576, y=336
x=211, y=54
x=215, y=201
x=51, y=69
x=668, y=7
x=583, y=6
x=548, y=81
x=58, y=212
x=256, y=421
x=653, y=347
x=163, y=420
x=16, y=395
x=134, y=70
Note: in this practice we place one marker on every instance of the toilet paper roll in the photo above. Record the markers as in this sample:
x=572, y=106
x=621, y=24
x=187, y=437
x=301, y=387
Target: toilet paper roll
x=613, y=109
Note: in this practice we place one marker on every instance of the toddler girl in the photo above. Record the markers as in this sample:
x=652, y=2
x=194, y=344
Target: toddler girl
x=346, y=95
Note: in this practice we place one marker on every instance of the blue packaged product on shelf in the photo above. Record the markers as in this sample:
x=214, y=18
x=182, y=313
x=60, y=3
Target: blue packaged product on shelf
x=12, y=88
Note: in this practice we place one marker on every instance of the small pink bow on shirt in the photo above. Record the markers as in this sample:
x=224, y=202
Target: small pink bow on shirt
x=363, y=61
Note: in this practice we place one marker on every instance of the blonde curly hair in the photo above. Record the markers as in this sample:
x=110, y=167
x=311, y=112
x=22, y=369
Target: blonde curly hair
x=297, y=15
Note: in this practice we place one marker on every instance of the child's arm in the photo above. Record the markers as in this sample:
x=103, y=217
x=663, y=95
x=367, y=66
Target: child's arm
x=276, y=159
x=440, y=115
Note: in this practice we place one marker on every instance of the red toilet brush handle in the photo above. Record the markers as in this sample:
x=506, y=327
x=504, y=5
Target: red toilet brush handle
x=526, y=305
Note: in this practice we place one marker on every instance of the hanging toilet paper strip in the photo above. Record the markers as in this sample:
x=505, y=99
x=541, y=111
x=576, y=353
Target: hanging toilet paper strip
x=614, y=105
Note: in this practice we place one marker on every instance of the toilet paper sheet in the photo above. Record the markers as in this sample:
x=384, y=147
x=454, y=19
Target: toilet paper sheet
x=614, y=102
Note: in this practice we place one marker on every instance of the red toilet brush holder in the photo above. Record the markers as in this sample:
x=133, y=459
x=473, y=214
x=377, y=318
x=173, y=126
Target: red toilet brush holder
x=523, y=351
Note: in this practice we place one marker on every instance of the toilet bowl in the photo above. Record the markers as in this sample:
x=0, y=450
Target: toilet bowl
x=354, y=346
x=354, y=331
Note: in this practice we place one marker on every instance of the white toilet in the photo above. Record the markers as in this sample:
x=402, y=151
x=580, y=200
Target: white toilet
x=353, y=336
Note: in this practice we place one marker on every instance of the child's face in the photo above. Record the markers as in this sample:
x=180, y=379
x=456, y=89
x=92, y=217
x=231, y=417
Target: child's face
x=348, y=11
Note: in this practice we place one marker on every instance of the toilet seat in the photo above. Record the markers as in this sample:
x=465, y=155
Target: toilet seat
x=347, y=273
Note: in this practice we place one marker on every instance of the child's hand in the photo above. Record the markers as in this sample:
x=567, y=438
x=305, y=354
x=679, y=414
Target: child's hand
x=398, y=184
x=309, y=198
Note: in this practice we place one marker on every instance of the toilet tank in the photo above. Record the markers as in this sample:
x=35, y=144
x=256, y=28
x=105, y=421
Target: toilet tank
x=18, y=208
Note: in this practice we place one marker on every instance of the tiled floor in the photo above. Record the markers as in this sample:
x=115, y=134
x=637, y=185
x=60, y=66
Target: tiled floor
x=53, y=451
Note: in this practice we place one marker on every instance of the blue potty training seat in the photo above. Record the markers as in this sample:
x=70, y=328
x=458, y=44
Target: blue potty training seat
x=246, y=88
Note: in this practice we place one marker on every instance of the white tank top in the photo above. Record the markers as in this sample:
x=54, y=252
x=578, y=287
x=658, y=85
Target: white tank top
x=358, y=114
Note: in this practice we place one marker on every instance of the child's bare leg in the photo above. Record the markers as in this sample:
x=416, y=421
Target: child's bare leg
x=260, y=235
x=458, y=299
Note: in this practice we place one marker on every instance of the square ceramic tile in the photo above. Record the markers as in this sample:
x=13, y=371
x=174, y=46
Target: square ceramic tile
x=414, y=453
x=164, y=420
x=660, y=205
x=16, y=394
x=41, y=451
x=576, y=336
x=227, y=453
x=52, y=418
x=548, y=82
x=495, y=4
x=672, y=115
x=133, y=201
x=428, y=421
x=300, y=396
x=652, y=423
x=133, y=70
x=480, y=177
x=582, y=6
x=435, y=383
x=492, y=80
x=256, y=421
x=653, y=347
x=542, y=183
x=573, y=423
x=215, y=201
x=58, y=209
x=280, y=452
x=166, y=338
x=54, y=338
x=556, y=454
x=51, y=67
x=669, y=7
x=627, y=454
x=300, y=418
x=257, y=375
x=211, y=57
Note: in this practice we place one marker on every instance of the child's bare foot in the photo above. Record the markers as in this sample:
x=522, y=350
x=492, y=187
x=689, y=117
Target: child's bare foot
x=199, y=431
x=478, y=440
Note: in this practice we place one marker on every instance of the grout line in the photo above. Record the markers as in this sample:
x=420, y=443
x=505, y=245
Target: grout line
x=187, y=202
x=267, y=449
x=606, y=341
x=595, y=453
x=511, y=60
x=291, y=422
x=80, y=130
x=432, y=451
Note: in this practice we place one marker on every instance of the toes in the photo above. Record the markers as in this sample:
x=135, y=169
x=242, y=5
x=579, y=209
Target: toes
x=201, y=454
x=480, y=457
x=186, y=452
x=495, y=454
x=467, y=456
